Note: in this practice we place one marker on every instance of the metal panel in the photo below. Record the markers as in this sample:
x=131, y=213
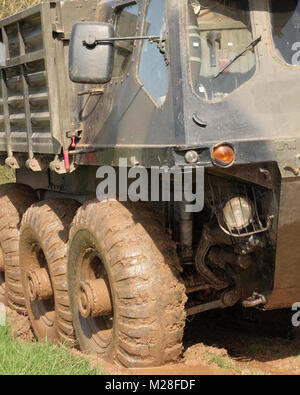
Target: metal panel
x=287, y=274
x=24, y=102
x=36, y=94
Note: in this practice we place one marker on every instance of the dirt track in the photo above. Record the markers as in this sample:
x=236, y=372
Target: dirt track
x=222, y=342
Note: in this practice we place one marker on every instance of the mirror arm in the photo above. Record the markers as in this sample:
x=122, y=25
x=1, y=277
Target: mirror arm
x=92, y=42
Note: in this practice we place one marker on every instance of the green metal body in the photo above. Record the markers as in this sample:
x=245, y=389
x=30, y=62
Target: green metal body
x=36, y=94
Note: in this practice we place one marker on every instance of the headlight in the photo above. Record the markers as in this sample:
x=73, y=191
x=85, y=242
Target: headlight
x=238, y=213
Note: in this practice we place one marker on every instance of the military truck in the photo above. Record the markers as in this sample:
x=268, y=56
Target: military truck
x=206, y=87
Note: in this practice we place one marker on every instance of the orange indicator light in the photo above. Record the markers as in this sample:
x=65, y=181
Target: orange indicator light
x=223, y=155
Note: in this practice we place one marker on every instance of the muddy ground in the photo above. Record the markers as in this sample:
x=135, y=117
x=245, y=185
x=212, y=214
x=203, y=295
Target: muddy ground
x=232, y=341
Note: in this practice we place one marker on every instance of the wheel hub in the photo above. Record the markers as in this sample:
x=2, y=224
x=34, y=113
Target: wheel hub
x=39, y=285
x=94, y=298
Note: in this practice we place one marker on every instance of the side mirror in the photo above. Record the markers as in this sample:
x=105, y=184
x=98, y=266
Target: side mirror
x=88, y=63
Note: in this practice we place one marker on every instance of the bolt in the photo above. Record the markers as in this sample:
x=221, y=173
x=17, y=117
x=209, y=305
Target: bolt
x=191, y=157
x=230, y=298
x=134, y=161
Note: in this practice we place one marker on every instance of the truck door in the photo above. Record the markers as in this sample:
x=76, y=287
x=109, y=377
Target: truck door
x=98, y=102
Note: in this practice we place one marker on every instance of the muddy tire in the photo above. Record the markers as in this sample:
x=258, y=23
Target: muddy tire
x=43, y=251
x=124, y=282
x=14, y=201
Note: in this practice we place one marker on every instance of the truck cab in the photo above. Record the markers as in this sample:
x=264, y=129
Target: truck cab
x=223, y=81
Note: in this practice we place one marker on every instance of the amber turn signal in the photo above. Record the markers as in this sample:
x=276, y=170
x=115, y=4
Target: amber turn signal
x=223, y=155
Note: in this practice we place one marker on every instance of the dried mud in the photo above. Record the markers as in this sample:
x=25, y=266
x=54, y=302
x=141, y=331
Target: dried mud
x=20, y=326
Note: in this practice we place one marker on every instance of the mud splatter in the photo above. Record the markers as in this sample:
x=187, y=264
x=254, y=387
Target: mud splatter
x=20, y=326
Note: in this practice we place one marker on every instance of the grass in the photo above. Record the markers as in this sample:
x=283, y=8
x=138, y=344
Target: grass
x=18, y=358
x=10, y=7
x=224, y=362
x=221, y=362
x=256, y=372
x=277, y=350
x=7, y=175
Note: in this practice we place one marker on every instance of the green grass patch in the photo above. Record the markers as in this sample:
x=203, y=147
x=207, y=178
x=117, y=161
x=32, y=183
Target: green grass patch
x=7, y=175
x=18, y=358
x=10, y=7
x=276, y=350
x=221, y=362
x=225, y=363
x=256, y=372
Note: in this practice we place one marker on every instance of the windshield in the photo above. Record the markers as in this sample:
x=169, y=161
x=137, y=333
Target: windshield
x=219, y=30
x=285, y=18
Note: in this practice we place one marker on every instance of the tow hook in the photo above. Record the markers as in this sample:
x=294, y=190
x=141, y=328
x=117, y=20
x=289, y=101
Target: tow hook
x=255, y=300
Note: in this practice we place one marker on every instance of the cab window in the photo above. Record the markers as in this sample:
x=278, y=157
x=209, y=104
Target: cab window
x=153, y=69
x=285, y=20
x=218, y=30
x=125, y=26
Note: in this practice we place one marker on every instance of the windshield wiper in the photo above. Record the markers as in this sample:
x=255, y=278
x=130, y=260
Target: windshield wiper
x=249, y=46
